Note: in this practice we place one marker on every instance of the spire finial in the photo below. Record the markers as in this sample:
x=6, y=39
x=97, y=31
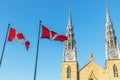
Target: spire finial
x=69, y=8
x=91, y=56
x=107, y=13
x=69, y=18
x=106, y=3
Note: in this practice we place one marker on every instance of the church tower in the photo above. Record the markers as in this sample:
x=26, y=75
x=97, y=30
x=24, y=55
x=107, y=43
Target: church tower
x=69, y=61
x=112, y=51
x=112, y=48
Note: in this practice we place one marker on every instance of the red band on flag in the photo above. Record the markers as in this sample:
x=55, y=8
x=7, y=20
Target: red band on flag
x=12, y=34
x=45, y=32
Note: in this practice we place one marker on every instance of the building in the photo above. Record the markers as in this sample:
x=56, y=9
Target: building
x=91, y=71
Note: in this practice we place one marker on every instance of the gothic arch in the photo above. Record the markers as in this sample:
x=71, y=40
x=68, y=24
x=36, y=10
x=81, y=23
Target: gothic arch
x=115, y=70
x=68, y=72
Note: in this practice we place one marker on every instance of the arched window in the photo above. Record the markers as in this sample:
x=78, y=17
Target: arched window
x=115, y=71
x=68, y=72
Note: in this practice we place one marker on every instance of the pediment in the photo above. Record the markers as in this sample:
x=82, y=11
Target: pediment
x=92, y=65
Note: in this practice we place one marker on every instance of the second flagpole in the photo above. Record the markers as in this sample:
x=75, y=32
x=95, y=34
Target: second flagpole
x=36, y=61
x=4, y=46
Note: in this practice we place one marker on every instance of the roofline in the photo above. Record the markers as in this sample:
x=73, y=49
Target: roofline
x=87, y=64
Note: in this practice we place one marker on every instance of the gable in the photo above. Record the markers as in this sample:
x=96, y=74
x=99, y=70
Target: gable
x=92, y=70
x=91, y=65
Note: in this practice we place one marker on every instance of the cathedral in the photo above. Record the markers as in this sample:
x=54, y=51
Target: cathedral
x=91, y=71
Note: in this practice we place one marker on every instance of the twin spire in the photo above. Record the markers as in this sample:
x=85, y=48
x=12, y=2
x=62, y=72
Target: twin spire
x=107, y=14
x=112, y=48
x=70, y=43
x=69, y=48
x=70, y=19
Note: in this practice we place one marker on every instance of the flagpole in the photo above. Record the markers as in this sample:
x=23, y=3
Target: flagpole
x=36, y=61
x=4, y=45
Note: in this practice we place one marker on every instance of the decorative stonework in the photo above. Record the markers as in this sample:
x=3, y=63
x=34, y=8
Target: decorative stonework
x=91, y=71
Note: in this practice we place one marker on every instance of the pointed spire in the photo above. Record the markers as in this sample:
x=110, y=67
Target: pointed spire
x=111, y=39
x=70, y=48
x=70, y=43
x=69, y=18
x=107, y=13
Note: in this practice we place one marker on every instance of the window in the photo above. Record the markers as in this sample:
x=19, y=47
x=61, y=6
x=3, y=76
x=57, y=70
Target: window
x=91, y=79
x=69, y=45
x=115, y=70
x=111, y=41
x=107, y=33
x=68, y=72
x=110, y=32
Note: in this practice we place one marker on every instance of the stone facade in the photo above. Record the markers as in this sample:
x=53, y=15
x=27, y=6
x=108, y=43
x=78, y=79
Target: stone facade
x=74, y=70
x=93, y=71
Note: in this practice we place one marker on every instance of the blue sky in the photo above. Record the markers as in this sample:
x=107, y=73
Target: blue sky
x=88, y=18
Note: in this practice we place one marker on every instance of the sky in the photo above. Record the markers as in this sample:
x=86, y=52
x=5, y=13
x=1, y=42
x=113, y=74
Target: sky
x=88, y=18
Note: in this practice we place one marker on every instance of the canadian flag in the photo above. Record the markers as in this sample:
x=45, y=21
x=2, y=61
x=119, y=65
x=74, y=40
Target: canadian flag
x=19, y=37
x=46, y=33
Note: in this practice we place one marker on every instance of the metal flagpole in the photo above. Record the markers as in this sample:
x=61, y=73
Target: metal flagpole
x=4, y=45
x=36, y=61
